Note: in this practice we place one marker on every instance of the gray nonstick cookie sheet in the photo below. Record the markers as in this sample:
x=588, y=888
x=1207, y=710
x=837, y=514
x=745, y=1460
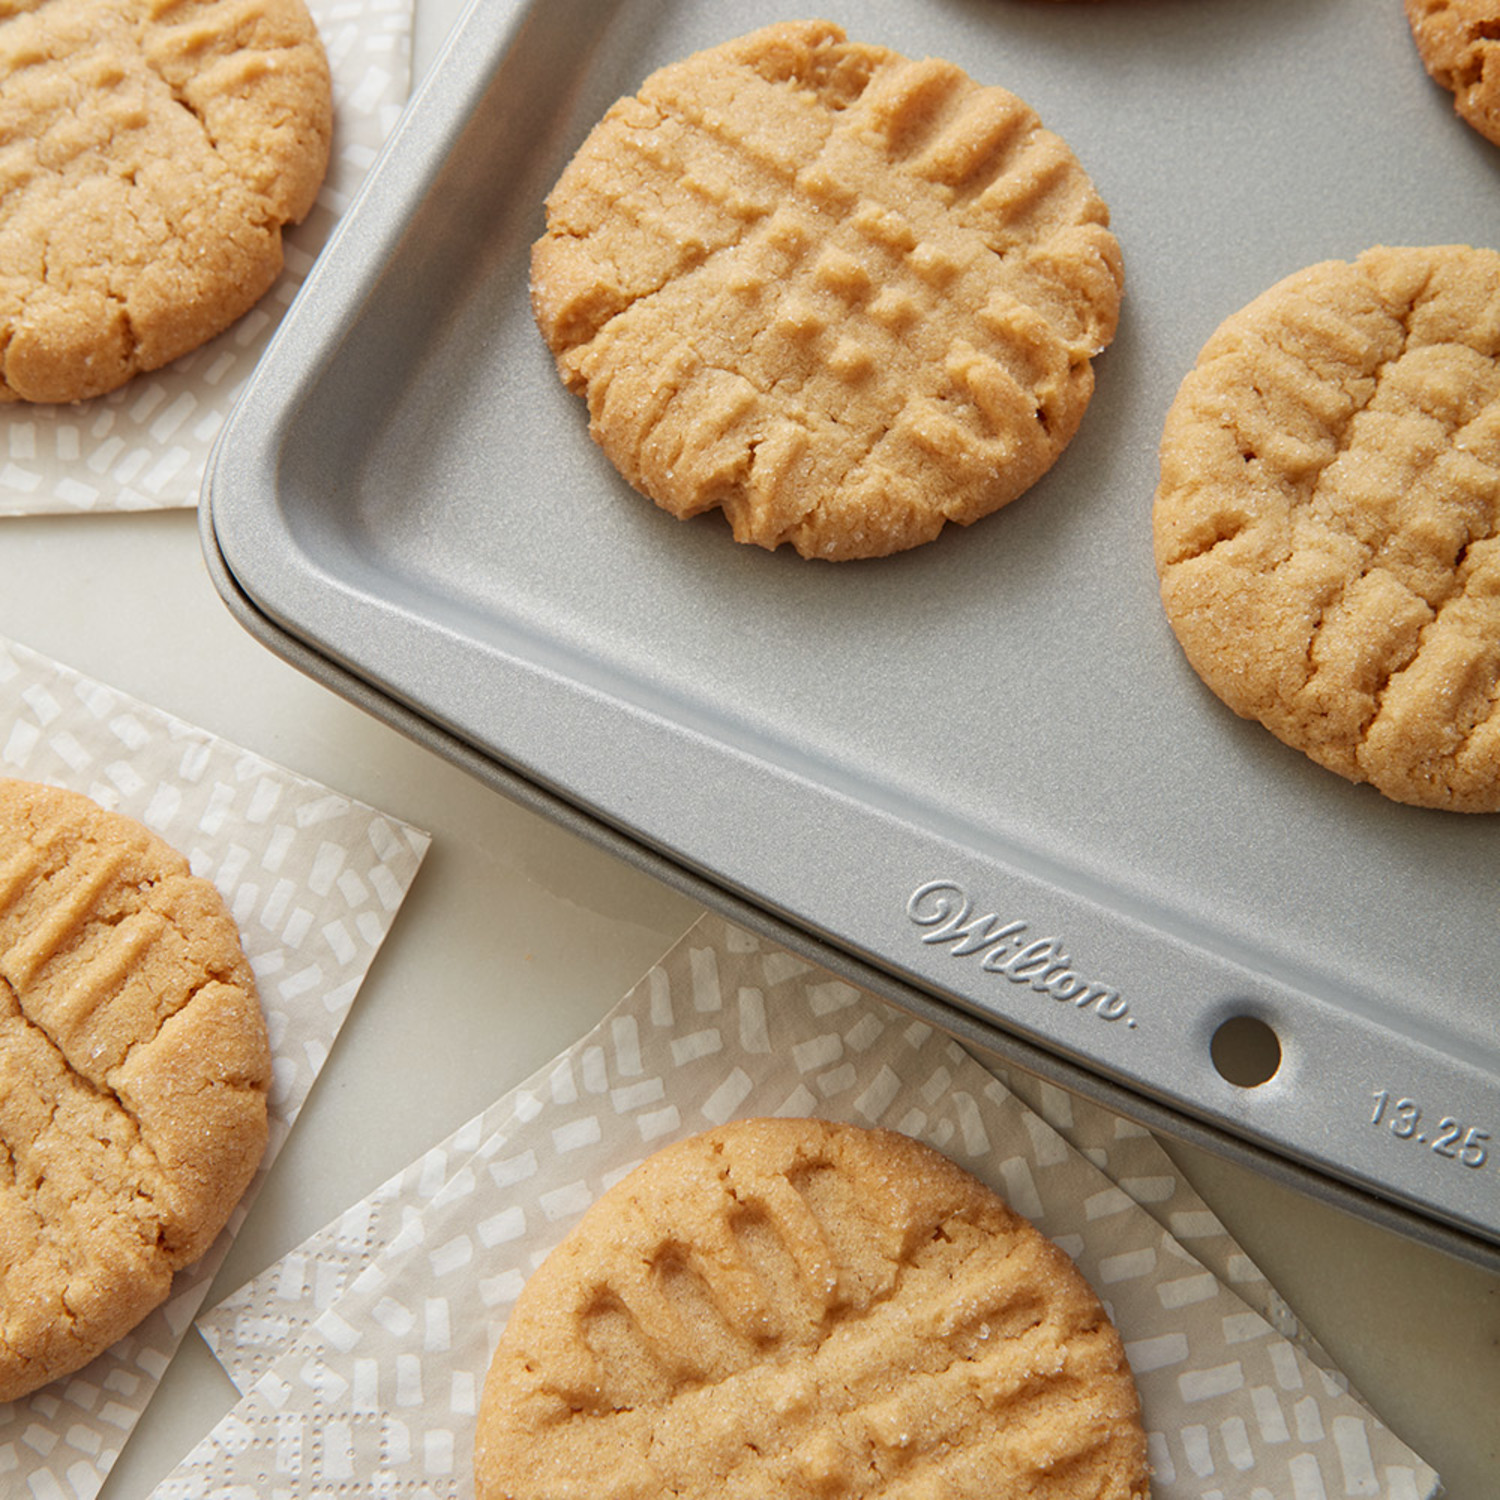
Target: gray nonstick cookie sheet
x=964, y=772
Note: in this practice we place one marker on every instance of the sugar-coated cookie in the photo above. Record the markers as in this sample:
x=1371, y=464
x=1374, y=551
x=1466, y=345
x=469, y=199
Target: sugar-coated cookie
x=134, y=1067
x=1327, y=524
x=792, y=1307
x=1459, y=44
x=151, y=152
x=844, y=296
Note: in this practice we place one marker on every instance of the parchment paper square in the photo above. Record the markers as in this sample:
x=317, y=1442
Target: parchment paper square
x=363, y=1353
x=314, y=880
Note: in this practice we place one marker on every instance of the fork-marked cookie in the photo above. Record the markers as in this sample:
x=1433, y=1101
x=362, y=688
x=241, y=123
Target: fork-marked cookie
x=844, y=296
x=785, y=1307
x=134, y=1068
x=1327, y=523
x=151, y=152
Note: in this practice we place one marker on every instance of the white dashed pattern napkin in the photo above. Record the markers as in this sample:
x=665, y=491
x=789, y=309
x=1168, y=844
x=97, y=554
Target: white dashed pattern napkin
x=363, y=1353
x=314, y=881
x=144, y=446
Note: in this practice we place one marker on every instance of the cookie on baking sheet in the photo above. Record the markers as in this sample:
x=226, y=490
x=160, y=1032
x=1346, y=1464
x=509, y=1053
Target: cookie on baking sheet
x=844, y=296
x=789, y=1307
x=134, y=1066
x=151, y=152
x=1327, y=524
x=1459, y=44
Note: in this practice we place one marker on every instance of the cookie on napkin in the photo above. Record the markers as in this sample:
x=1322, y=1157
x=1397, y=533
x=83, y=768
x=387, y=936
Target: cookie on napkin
x=844, y=296
x=789, y=1307
x=134, y=1068
x=1327, y=523
x=150, y=155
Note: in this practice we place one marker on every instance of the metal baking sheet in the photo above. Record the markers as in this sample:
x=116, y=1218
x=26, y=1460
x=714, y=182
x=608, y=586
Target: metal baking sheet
x=899, y=761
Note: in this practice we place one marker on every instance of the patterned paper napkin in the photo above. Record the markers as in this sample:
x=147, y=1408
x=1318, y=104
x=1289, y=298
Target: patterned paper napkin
x=314, y=881
x=362, y=1354
x=144, y=446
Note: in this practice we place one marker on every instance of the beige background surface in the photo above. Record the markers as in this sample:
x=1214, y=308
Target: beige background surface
x=517, y=937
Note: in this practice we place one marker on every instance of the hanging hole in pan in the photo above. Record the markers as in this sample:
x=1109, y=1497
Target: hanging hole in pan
x=1246, y=1051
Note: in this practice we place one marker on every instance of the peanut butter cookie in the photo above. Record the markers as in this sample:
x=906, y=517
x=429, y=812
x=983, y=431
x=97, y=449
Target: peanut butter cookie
x=843, y=296
x=151, y=152
x=134, y=1066
x=793, y=1307
x=1459, y=44
x=1327, y=524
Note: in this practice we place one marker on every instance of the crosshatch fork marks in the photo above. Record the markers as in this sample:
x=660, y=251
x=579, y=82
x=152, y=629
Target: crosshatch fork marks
x=1328, y=520
x=789, y=1307
x=841, y=295
x=134, y=1067
x=153, y=153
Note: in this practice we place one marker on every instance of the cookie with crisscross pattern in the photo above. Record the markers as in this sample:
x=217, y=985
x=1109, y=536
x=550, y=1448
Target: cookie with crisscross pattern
x=134, y=1068
x=151, y=153
x=1327, y=523
x=787, y=1307
x=844, y=296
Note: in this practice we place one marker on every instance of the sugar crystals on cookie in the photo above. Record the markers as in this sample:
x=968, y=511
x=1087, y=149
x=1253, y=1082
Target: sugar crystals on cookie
x=150, y=156
x=1327, y=523
x=843, y=296
x=786, y=1307
x=134, y=1071
x=1459, y=44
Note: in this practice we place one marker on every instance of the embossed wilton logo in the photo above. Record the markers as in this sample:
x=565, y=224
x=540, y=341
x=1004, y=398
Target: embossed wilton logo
x=1003, y=948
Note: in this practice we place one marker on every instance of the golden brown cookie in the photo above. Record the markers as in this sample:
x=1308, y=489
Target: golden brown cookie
x=150, y=153
x=1459, y=44
x=842, y=295
x=794, y=1308
x=134, y=1067
x=1327, y=525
